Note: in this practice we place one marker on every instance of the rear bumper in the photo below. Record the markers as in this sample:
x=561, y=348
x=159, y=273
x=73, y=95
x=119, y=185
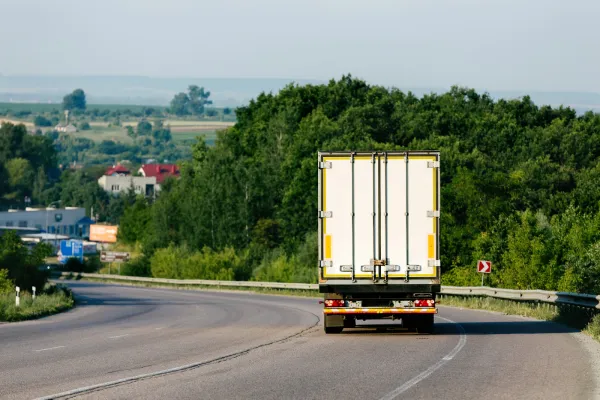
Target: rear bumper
x=347, y=287
x=378, y=310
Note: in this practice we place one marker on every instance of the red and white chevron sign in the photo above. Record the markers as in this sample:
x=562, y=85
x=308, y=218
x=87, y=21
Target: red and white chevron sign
x=484, y=266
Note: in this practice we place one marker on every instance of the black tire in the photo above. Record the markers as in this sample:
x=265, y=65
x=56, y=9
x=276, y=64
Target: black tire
x=425, y=324
x=334, y=329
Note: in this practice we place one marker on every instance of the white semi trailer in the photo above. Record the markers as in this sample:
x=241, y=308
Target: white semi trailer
x=379, y=229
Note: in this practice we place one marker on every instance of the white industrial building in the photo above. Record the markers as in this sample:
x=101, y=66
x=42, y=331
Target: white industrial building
x=69, y=221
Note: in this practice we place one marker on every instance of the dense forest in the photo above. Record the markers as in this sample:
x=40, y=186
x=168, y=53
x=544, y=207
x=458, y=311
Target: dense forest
x=519, y=186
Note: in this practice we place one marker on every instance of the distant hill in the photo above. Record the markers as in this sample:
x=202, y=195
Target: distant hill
x=225, y=92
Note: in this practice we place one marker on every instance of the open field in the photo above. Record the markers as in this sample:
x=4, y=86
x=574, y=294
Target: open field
x=181, y=130
x=99, y=134
x=49, y=107
x=28, y=124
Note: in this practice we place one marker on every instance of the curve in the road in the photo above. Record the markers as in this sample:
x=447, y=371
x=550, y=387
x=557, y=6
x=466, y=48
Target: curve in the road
x=125, y=342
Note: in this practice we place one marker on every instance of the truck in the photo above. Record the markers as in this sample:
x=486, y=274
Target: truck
x=379, y=230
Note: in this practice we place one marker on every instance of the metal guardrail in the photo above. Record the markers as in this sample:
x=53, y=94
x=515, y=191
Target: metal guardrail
x=272, y=285
x=572, y=299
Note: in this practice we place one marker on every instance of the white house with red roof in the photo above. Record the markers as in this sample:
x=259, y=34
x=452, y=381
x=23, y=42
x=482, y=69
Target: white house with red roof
x=118, y=178
x=160, y=171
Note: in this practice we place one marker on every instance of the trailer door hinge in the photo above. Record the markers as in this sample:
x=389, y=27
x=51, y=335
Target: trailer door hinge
x=433, y=214
x=433, y=164
x=325, y=214
x=325, y=165
x=433, y=263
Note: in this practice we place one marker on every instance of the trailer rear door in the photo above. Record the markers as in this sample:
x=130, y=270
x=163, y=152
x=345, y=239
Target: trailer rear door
x=379, y=215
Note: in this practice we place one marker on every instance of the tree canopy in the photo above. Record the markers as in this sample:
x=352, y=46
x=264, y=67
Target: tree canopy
x=191, y=103
x=518, y=181
x=75, y=100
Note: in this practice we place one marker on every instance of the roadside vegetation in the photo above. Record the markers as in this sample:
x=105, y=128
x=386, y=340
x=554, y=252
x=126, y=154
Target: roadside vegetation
x=586, y=320
x=519, y=186
x=52, y=301
x=19, y=266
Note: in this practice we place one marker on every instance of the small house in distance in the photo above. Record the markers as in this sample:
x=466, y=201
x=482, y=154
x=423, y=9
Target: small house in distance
x=70, y=128
x=67, y=127
x=119, y=179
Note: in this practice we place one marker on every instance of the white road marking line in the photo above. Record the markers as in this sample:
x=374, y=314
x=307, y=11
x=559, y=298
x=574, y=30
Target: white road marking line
x=51, y=348
x=423, y=375
x=114, y=337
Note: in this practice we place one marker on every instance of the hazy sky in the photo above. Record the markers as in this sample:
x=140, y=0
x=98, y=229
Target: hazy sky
x=486, y=44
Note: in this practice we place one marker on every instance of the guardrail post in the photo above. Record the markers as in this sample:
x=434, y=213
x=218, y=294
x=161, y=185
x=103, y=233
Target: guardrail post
x=33, y=290
x=18, y=298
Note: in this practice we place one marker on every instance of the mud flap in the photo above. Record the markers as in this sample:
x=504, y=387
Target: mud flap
x=333, y=321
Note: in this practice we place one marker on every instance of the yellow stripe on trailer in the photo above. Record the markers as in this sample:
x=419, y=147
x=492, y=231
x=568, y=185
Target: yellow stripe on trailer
x=379, y=310
x=328, y=247
x=431, y=246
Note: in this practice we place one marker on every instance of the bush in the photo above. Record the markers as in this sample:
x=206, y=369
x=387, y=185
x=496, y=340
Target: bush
x=74, y=265
x=179, y=263
x=139, y=266
x=6, y=285
x=301, y=267
x=85, y=126
x=51, y=301
x=91, y=265
x=22, y=265
x=41, y=121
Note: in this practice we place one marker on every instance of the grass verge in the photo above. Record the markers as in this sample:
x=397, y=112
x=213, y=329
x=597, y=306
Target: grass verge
x=593, y=328
x=55, y=299
x=281, y=292
x=585, y=319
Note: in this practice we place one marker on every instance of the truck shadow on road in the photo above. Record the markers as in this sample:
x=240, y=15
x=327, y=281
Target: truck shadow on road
x=471, y=328
x=504, y=328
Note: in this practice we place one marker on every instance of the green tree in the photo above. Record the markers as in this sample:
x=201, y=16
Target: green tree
x=75, y=100
x=144, y=128
x=135, y=221
x=40, y=120
x=20, y=177
x=199, y=98
x=11, y=141
x=39, y=186
x=23, y=265
x=180, y=104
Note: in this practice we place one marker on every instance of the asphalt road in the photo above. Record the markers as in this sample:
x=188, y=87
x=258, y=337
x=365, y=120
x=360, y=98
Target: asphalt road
x=227, y=345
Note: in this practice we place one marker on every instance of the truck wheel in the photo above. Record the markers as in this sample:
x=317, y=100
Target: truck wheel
x=334, y=329
x=425, y=324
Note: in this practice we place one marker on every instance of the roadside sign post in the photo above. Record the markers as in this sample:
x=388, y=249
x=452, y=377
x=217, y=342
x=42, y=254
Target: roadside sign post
x=114, y=256
x=484, y=267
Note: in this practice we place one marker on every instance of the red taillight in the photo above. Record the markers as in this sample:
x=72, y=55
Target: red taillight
x=424, y=303
x=334, y=303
